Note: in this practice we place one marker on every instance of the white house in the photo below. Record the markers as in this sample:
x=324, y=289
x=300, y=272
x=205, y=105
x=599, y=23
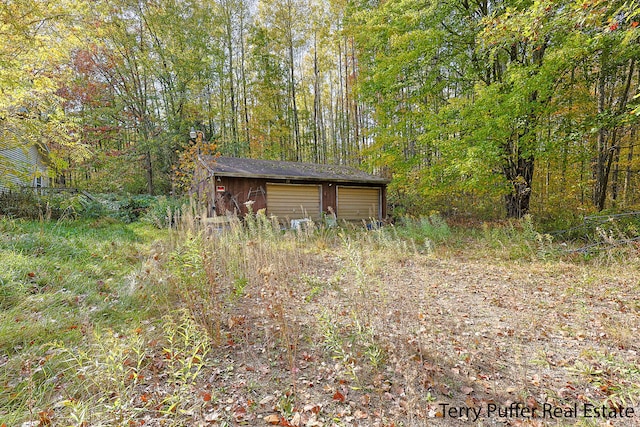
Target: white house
x=23, y=167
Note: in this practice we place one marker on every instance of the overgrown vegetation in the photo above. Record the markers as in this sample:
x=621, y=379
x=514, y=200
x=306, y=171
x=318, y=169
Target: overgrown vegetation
x=501, y=107
x=53, y=205
x=109, y=323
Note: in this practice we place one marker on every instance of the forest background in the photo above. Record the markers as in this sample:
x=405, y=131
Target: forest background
x=488, y=108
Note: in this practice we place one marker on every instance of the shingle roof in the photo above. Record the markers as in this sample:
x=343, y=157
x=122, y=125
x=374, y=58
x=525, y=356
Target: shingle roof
x=273, y=169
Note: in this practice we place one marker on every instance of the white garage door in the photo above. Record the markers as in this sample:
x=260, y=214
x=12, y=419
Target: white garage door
x=293, y=201
x=357, y=203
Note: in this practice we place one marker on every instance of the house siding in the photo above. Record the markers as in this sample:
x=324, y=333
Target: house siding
x=23, y=167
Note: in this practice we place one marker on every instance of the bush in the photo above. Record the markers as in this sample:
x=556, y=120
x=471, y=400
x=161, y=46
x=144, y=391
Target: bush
x=424, y=229
x=162, y=211
x=133, y=207
x=27, y=204
x=125, y=208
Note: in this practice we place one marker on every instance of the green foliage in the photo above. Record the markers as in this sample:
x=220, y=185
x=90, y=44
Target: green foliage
x=108, y=378
x=32, y=59
x=64, y=205
x=465, y=104
x=97, y=173
x=619, y=380
x=161, y=211
x=470, y=99
x=59, y=281
x=519, y=239
x=46, y=265
x=424, y=229
x=51, y=205
x=350, y=341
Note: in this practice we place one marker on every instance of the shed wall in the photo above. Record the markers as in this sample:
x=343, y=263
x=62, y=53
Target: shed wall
x=237, y=191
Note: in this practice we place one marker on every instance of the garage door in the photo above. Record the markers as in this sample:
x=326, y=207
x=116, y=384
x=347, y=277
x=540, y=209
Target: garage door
x=357, y=203
x=292, y=201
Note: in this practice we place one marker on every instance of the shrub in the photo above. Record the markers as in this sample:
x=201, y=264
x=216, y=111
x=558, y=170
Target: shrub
x=162, y=210
x=27, y=204
x=424, y=229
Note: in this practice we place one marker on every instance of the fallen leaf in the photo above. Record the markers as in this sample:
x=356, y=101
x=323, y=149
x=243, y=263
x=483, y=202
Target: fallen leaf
x=360, y=415
x=315, y=409
x=272, y=419
x=266, y=400
x=295, y=421
x=535, y=380
x=313, y=423
x=532, y=403
x=365, y=399
x=443, y=389
x=467, y=390
x=471, y=402
x=45, y=417
x=338, y=396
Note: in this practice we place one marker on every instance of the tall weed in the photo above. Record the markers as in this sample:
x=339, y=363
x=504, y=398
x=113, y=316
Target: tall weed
x=518, y=239
x=113, y=380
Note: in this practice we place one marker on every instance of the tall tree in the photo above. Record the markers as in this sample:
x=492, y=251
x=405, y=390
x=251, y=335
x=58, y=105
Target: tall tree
x=152, y=56
x=33, y=52
x=487, y=75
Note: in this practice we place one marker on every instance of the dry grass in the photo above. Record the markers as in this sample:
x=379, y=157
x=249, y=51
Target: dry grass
x=329, y=327
x=347, y=327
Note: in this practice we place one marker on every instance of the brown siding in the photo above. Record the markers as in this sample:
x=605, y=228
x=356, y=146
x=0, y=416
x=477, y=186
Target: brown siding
x=238, y=190
x=328, y=198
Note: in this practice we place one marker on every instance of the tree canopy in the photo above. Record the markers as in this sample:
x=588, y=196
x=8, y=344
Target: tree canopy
x=488, y=107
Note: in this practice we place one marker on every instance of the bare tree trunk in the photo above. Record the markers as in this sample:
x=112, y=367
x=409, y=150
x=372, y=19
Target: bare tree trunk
x=565, y=145
x=602, y=149
x=340, y=110
x=244, y=82
x=608, y=150
x=149, y=171
x=316, y=98
x=627, y=176
x=292, y=82
x=232, y=90
x=347, y=106
x=356, y=113
x=615, y=174
x=520, y=175
x=518, y=171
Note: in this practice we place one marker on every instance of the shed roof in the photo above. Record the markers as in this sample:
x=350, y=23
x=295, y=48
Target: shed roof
x=274, y=169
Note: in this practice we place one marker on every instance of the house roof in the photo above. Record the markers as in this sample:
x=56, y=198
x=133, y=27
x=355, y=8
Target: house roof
x=274, y=169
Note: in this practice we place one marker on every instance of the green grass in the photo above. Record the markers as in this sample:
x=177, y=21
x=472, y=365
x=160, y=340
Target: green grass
x=58, y=275
x=60, y=281
x=105, y=323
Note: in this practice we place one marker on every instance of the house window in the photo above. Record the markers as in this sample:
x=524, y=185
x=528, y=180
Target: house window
x=37, y=182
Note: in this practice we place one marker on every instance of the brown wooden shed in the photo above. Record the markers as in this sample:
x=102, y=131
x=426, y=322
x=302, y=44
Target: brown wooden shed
x=289, y=190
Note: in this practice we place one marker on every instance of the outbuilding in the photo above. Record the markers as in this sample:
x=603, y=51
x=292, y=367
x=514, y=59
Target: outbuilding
x=289, y=190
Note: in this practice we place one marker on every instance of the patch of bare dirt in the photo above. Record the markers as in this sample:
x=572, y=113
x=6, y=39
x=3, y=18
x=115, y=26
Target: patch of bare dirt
x=380, y=340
